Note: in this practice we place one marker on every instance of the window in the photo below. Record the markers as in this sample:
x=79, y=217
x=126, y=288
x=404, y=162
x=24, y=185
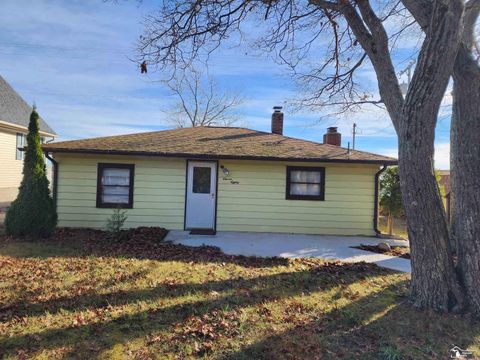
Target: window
x=305, y=183
x=201, y=180
x=115, y=186
x=20, y=144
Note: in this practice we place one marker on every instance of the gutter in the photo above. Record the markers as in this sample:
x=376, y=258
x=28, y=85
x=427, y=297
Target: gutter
x=55, y=178
x=20, y=128
x=375, y=207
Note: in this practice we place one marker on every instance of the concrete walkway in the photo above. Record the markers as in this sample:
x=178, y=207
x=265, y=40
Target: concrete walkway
x=295, y=246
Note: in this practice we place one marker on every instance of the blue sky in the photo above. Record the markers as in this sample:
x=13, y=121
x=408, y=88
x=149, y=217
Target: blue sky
x=72, y=59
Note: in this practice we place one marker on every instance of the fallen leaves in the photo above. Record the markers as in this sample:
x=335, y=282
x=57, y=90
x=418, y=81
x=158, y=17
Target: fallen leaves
x=203, y=330
x=143, y=297
x=400, y=251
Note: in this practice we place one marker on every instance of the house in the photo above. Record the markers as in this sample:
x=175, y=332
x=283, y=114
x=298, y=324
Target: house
x=219, y=178
x=14, y=119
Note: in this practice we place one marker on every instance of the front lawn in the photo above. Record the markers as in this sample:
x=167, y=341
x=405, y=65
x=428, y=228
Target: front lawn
x=81, y=295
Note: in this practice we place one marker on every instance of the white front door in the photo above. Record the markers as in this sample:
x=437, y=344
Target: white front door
x=201, y=194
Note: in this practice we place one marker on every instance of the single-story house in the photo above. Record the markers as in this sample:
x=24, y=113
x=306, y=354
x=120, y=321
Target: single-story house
x=219, y=178
x=14, y=119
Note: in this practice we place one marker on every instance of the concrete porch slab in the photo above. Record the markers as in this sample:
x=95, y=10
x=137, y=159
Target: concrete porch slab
x=295, y=246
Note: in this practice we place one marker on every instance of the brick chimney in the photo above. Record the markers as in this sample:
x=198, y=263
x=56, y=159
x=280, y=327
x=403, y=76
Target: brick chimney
x=277, y=120
x=332, y=137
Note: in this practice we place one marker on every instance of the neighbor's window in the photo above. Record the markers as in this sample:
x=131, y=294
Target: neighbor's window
x=115, y=186
x=20, y=144
x=305, y=183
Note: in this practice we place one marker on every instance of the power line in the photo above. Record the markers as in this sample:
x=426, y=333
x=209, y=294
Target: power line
x=66, y=48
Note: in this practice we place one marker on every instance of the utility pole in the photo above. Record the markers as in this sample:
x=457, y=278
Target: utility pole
x=408, y=70
x=354, y=133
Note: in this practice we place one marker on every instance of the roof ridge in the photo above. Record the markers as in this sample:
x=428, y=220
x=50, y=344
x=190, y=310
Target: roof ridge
x=328, y=145
x=156, y=131
x=225, y=142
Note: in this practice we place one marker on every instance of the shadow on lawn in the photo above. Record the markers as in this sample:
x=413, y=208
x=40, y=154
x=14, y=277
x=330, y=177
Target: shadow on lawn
x=363, y=328
x=90, y=339
x=369, y=328
x=138, y=243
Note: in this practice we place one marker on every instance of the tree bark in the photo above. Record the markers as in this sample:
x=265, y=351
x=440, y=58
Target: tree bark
x=434, y=280
x=465, y=162
x=465, y=150
x=434, y=283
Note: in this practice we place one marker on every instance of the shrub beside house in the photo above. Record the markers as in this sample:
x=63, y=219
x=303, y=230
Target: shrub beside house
x=14, y=119
x=33, y=212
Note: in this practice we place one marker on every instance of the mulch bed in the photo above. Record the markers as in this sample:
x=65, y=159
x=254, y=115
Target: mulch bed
x=144, y=243
x=399, y=251
x=149, y=243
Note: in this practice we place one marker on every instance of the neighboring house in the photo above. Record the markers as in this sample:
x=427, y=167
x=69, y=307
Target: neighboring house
x=445, y=182
x=14, y=119
x=219, y=178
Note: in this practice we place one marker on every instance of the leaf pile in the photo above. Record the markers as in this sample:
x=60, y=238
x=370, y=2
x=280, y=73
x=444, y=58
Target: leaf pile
x=147, y=243
x=205, y=329
x=399, y=251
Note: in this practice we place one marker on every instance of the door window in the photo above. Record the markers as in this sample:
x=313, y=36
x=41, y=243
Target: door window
x=201, y=180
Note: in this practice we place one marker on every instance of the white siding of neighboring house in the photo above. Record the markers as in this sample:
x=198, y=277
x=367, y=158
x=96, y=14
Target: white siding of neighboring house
x=10, y=168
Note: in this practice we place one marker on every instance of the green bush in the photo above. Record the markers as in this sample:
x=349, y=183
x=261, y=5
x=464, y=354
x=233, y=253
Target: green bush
x=33, y=212
x=116, y=221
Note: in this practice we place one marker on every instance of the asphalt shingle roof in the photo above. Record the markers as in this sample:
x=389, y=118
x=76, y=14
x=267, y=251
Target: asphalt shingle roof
x=217, y=143
x=15, y=110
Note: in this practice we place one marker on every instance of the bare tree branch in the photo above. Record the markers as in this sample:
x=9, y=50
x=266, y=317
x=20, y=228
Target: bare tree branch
x=200, y=103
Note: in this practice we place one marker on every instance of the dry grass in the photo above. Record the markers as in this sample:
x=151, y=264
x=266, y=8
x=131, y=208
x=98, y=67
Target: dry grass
x=82, y=295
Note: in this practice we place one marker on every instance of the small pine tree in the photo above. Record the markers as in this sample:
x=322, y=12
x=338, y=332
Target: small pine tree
x=116, y=221
x=33, y=212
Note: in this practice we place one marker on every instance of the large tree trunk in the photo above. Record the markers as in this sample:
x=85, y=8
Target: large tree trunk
x=465, y=150
x=434, y=283
x=434, y=280
x=465, y=165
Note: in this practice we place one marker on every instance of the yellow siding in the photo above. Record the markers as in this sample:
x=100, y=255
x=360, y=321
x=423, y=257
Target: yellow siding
x=11, y=169
x=159, y=191
x=257, y=202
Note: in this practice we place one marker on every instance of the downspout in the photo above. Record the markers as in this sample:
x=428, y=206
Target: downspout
x=55, y=177
x=375, y=207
